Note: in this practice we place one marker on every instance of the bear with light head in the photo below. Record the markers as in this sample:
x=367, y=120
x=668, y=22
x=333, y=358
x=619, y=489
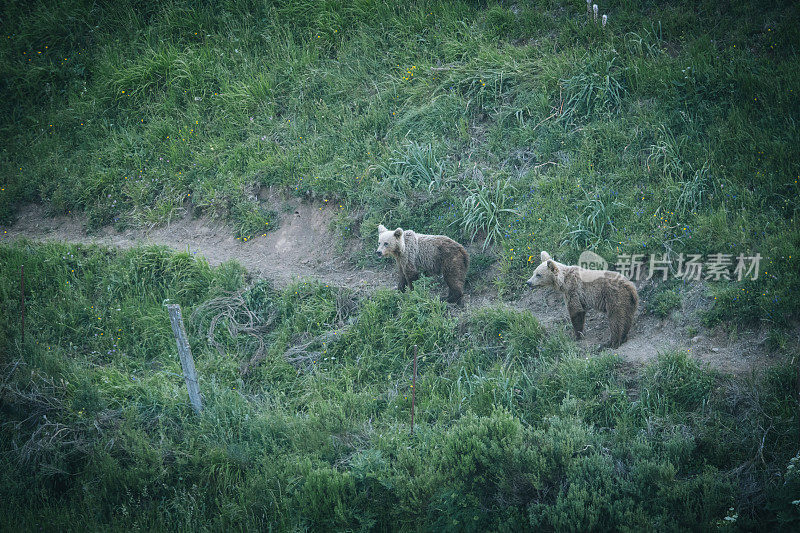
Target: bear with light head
x=585, y=289
x=416, y=253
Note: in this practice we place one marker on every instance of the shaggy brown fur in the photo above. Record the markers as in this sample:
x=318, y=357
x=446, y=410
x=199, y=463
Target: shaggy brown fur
x=604, y=290
x=431, y=254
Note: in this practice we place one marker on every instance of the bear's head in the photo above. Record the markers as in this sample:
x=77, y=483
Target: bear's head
x=547, y=274
x=390, y=243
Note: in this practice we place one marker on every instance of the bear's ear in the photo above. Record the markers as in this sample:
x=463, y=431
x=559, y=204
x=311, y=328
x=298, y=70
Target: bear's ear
x=398, y=233
x=545, y=256
x=552, y=266
x=381, y=228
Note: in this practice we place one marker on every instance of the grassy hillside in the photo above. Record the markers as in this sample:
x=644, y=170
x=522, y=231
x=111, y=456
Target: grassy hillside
x=519, y=125
x=514, y=428
x=673, y=129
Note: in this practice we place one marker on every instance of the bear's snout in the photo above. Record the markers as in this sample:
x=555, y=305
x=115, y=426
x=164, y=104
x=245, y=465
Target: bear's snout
x=529, y=283
x=378, y=253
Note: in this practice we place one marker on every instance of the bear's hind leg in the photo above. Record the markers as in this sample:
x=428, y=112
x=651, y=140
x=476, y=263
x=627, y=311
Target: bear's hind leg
x=454, y=296
x=456, y=289
x=618, y=333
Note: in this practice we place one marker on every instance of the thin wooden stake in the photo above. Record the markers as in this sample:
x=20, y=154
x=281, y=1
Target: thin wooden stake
x=22, y=298
x=413, y=389
x=185, y=353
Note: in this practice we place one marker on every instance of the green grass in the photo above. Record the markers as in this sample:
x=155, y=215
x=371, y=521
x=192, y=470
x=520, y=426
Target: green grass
x=306, y=416
x=663, y=300
x=523, y=126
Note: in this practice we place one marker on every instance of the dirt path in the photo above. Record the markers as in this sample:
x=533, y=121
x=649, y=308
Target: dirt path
x=650, y=335
x=297, y=250
x=294, y=251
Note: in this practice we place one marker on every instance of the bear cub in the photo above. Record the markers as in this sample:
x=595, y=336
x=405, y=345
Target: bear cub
x=416, y=253
x=582, y=288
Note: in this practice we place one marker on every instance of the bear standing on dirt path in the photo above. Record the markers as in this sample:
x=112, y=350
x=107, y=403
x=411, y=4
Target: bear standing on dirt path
x=582, y=288
x=431, y=254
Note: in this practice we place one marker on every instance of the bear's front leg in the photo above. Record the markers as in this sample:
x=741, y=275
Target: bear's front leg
x=411, y=276
x=401, y=280
x=577, y=315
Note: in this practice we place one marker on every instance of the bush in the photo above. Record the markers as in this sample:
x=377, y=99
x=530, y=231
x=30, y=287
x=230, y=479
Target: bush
x=675, y=383
x=506, y=331
x=487, y=472
x=664, y=302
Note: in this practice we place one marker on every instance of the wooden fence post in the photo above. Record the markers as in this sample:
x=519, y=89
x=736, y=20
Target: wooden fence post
x=185, y=353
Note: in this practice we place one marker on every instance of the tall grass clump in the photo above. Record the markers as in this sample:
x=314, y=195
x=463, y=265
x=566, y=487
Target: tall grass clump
x=594, y=227
x=676, y=382
x=415, y=166
x=252, y=220
x=599, y=88
x=485, y=210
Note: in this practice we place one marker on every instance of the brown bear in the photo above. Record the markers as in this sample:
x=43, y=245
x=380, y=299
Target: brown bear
x=582, y=288
x=430, y=254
